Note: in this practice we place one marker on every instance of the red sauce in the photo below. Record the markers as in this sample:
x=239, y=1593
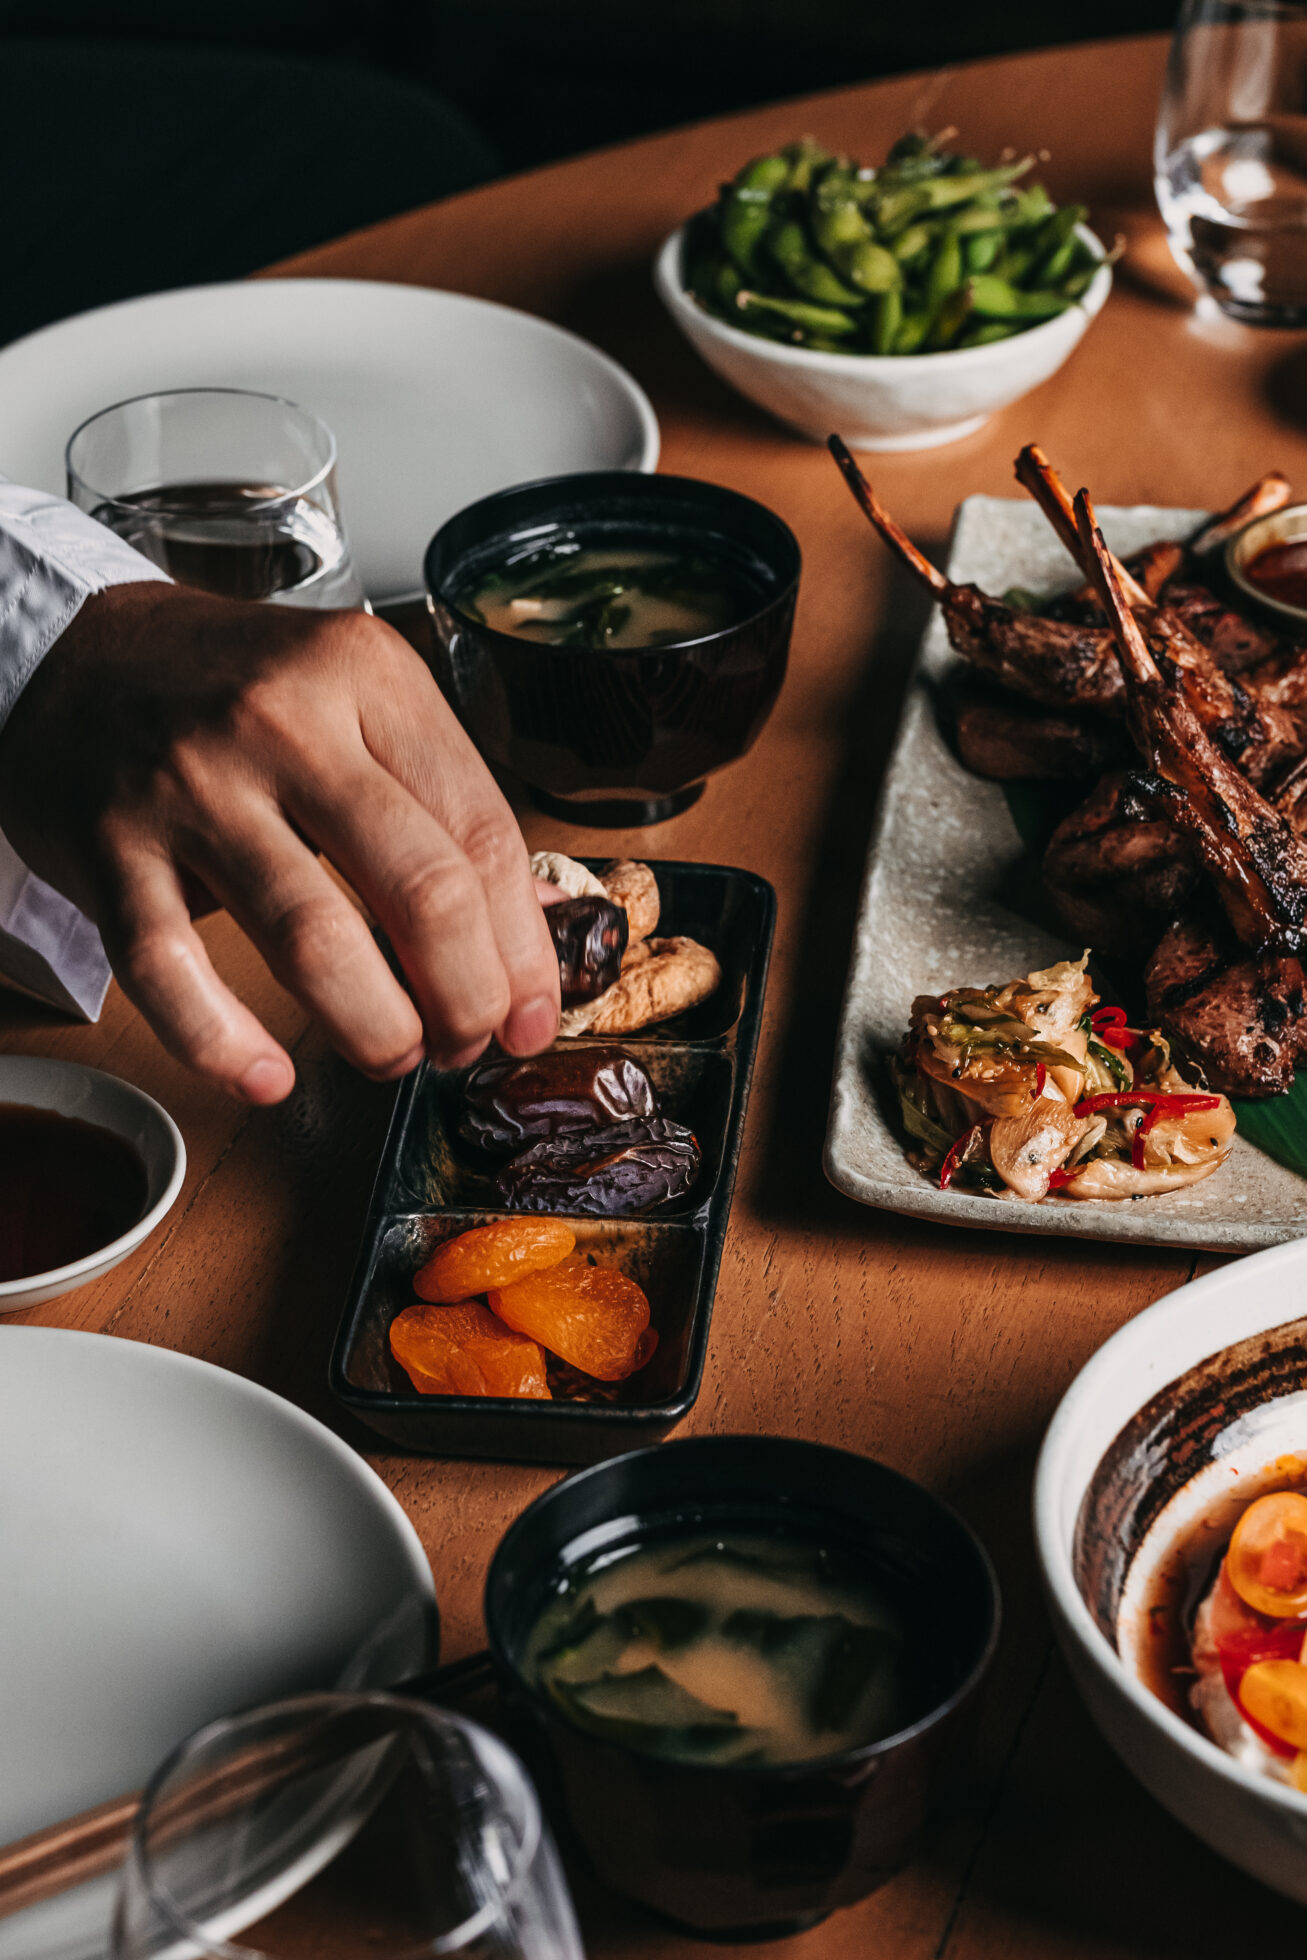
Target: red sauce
x=1280, y=571
x=66, y=1189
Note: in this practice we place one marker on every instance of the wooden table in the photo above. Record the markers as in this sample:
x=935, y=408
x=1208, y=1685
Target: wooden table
x=941, y=1352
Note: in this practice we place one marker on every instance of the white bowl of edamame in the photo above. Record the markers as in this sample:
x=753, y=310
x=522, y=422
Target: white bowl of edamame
x=880, y=401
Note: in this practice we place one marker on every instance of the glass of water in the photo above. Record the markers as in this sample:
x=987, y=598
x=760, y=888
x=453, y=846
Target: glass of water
x=223, y=489
x=1231, y=155
x=365, y=1826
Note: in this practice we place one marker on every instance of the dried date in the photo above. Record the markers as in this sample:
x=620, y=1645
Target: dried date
x=589, y=936
x=610, y=1173
x=510, y=1104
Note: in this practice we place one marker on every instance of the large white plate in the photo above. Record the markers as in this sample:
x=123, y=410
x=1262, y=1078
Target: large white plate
x=175, y=1543
x=435, y=399
x=934, y=913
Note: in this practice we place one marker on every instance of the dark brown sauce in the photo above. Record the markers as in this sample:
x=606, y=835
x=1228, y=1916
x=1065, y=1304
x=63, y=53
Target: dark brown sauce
x=1280, y=571
x=215, y=536
x=66, y=1189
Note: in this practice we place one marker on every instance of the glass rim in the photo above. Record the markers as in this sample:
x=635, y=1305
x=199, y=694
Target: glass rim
x=123, y=502
x=140, y=1862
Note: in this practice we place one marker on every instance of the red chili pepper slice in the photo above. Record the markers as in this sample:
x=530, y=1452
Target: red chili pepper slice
x=1108, y=1025
x=1137, y=1140
x=1056, y=1179
x=1041, y=1077
x=956, y=1154
x=1165, y=1104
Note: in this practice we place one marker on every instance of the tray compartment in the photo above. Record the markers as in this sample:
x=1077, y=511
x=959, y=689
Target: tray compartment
x=430, y=1186
x=436, y=1168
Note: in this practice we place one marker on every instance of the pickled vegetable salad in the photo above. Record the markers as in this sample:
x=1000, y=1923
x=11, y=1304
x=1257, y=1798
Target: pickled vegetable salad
x=1036, y=1090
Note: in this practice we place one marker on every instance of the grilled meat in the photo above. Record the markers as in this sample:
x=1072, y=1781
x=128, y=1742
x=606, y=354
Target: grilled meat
x=1010, y=740
x=1241, y=1025
x=1116, y=870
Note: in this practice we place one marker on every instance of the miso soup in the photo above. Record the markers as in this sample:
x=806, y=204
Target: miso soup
x=619, y=596
x=730, y=1649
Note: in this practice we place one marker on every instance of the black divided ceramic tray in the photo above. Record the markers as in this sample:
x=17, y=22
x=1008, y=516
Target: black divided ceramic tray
x=430, y=1187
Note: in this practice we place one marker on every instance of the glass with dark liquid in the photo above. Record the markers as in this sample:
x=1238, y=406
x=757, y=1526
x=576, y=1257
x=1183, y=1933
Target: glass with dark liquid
x=225, y=490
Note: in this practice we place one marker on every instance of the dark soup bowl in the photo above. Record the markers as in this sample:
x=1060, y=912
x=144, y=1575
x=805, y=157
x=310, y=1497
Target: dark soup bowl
x=604, y=729
x=753, y=1847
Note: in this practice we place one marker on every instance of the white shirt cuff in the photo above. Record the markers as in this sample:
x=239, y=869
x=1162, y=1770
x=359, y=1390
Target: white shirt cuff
x=53, y=557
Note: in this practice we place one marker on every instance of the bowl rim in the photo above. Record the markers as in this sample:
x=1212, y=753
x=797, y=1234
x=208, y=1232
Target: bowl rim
x=136, y=1234
x=1130, y=1348
x=637, y=483
x=842, y=1760
x=1236, y=547
x=678, y=298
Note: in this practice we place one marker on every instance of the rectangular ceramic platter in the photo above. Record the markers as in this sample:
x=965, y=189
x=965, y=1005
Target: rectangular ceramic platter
x=932, y=915
x=429, y=1187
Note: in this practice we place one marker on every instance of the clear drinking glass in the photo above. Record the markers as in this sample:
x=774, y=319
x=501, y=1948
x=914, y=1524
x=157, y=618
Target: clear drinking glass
x=230, y=491
x=1230, y=158
x=364, y=1826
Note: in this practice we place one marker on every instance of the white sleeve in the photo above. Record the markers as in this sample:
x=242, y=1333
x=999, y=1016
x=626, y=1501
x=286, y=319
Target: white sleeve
x=52, y=558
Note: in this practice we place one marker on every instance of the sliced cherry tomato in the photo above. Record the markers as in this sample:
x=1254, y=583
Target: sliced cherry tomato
x=1267, y=1559
x=1274, y=1695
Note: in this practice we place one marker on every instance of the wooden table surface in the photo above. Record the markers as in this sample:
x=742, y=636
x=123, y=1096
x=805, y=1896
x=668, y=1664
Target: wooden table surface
x=941, y=1352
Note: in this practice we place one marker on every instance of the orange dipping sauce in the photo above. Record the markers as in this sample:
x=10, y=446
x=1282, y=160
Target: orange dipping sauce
x=1280, y=571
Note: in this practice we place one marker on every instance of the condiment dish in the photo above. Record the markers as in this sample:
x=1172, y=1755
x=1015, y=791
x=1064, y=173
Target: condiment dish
x=879, y=401
x=751, y=1850
x=70, y=1089
x=1280, y=527
x=1201, y=1390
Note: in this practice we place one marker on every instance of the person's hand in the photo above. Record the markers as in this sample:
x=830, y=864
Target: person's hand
x=175, y=750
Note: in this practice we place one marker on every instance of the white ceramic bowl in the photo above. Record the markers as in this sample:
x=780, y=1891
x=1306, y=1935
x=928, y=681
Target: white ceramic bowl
x=39, y=1083
x=891, y=401
x=1230, y=1397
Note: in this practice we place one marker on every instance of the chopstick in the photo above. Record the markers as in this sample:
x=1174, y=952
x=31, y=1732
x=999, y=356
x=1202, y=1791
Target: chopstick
x=96, y=1841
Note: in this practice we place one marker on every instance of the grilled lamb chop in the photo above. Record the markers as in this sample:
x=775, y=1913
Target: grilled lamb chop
x=1261, y=736
x=1239, y=1016
x=1010, y=740
x=1117, y=871
x=1064, y=665
x=1245, y=1028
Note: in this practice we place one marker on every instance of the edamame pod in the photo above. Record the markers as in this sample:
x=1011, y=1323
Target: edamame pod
x=746, y=210
x=996, y=299
x=981, y=250
x=949, y=317
x=802, y=315
x=811, y=277
x=944, y=274
x=886, y=320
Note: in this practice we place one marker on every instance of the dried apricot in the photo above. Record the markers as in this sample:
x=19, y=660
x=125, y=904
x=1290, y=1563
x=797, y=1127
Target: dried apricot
x=592, y=1316
x=492, y=1255
x=465, y=1350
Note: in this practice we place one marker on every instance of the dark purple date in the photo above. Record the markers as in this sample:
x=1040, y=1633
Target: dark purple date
x=589, y=936
x=612, y=1173
x=508, y=1104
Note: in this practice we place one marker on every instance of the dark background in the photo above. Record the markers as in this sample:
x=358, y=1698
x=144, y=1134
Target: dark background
x=155, y=143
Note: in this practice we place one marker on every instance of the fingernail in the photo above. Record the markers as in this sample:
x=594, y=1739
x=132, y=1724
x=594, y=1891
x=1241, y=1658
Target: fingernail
x=398, y=1069
x=266, y=1081
x=534, y=1026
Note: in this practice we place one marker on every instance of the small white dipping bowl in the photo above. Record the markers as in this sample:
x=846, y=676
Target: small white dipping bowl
x=1207, y=1388
x=39, y=1083
x=879, y=401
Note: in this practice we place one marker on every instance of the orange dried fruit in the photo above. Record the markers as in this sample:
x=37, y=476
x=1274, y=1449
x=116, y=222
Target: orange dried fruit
x=465, y=1350
x=592, y=1316
x=492, y=1255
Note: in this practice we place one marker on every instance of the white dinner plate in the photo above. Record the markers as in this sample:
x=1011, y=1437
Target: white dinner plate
x=175, y=1543
x=435, y=399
